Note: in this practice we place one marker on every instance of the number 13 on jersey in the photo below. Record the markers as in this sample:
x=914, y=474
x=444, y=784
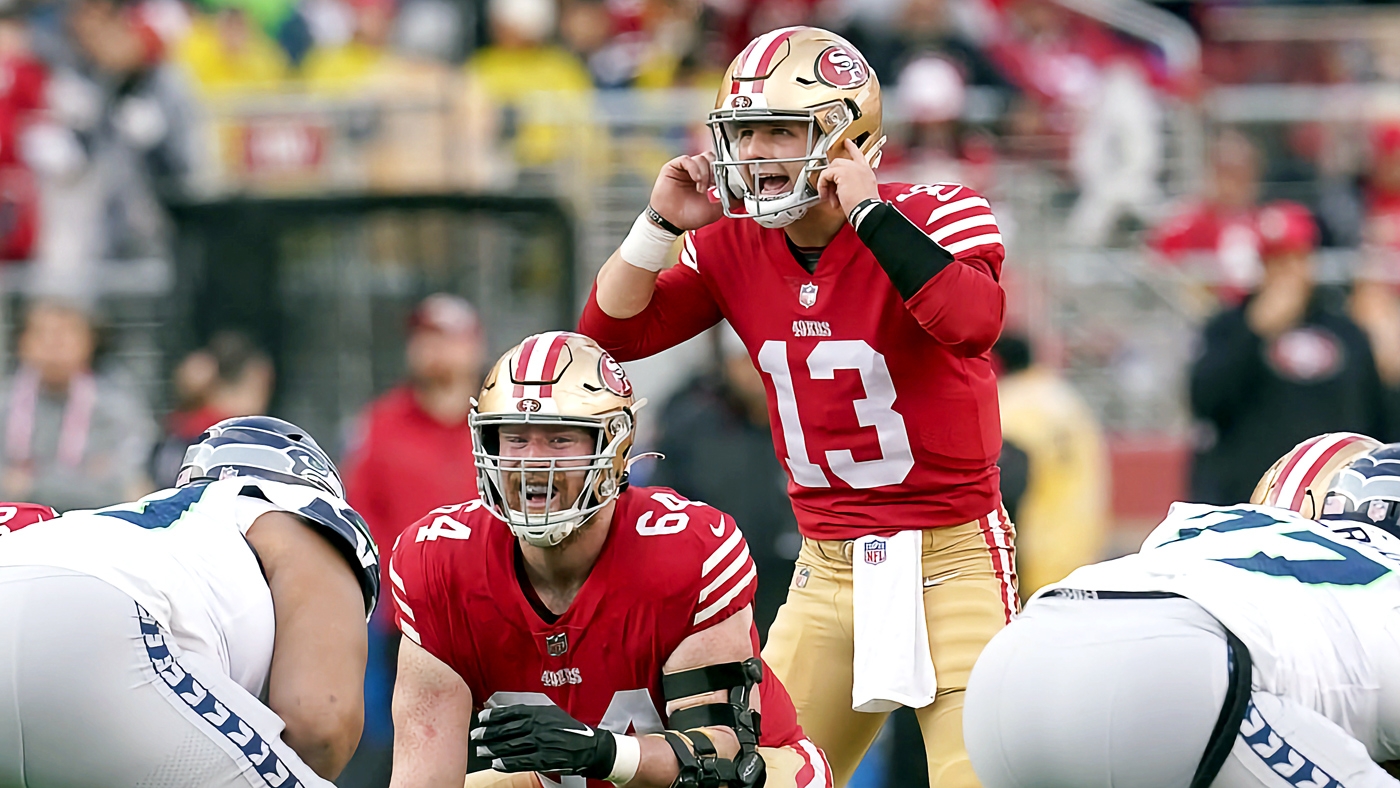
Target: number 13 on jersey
x=875, y=409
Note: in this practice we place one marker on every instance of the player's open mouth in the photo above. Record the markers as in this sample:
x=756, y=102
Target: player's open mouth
x=772, y=184
x=540, y=496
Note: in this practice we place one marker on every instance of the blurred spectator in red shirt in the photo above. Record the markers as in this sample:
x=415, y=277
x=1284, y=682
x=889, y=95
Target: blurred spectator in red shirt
x=413, y=451
x=1219, y=227
x=412, y=454
x=228, y=377
x=1382, y=192
x=22, y=81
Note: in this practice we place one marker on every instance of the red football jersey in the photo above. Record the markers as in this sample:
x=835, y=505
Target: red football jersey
x=669, y=568
x=883, y=411
x=14, y=516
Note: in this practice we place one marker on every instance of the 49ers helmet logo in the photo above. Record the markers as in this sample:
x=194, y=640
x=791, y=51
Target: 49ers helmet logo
x=613, y=376
x=842, y=67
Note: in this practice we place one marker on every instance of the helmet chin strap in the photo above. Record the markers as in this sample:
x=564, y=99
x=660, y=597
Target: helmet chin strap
x=774, y=221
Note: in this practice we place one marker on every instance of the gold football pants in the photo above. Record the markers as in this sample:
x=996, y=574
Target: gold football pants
x=787, y=767
x=969, y=594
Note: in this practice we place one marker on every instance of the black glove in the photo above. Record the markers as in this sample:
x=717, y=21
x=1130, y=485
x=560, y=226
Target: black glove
x=543, y=739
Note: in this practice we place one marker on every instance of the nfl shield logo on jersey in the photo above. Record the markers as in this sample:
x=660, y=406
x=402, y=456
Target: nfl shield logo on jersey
x=807, y=295
x=875, y=551
x=556, y=645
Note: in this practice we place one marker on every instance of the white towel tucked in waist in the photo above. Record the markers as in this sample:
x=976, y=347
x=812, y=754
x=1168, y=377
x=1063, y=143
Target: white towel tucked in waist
x=893, y=666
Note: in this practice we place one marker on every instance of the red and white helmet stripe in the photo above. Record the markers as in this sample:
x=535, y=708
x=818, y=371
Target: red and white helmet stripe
x=536, y=364
x=1310, y=465
x=756, y=59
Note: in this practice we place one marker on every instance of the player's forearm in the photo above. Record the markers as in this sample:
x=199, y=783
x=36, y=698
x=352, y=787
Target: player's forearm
x=659, y=768
x=623, y=289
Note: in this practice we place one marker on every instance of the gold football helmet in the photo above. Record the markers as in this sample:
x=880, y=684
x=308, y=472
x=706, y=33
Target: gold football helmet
x=801, y=74
x=1300, y=478
x=563, y=379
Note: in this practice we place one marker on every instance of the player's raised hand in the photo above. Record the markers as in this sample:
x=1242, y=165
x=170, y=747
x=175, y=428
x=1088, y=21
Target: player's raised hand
x=543, y=739
x=681, y=193
x=848, y=179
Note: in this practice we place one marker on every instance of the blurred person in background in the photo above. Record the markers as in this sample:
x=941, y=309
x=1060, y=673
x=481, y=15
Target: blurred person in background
x=1219, y=226
x=1061, y=514
x=230, y=376
x=227, y=51
x=937, y=146
x=72, y=439
x=915, y=29
x=118, y=137
x=718, y=448
x=21, y=100
x=1091, y=97
x=1381, y=226
x=520, y=63
x=348, y=66
x=412, y=452
x=1280, y=367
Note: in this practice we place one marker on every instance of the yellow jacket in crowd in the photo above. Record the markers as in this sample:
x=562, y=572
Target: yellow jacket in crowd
x=1063, y=515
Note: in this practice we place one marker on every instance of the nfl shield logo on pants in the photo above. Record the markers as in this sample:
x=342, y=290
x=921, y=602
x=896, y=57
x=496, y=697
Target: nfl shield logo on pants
x=875, y=551
x=556, y=645
x=807, y=295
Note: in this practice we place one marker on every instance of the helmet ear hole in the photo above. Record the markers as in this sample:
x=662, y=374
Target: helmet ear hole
x=860, y=140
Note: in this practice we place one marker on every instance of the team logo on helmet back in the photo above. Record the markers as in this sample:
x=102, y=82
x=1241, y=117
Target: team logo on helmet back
x=614, y=376
x=842, y=67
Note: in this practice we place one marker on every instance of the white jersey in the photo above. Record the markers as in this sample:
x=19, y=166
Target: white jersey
x=1316, y=603
x=182, y=555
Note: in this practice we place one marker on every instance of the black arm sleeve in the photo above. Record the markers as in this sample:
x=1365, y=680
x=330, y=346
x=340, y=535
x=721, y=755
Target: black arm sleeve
x=1228, y=368
x=909, y=257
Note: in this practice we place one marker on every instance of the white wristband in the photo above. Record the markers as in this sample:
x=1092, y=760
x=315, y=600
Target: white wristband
x=629, y=757
x=647, y=246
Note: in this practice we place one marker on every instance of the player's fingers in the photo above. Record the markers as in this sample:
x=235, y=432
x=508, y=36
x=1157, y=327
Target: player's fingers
x=694, y=168
x=505, y=731
x=517, y=764
x=502, y=749
x=826, y=182
x=853, y=149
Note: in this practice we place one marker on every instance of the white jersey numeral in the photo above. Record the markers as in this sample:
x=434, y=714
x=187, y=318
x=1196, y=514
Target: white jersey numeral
x=669, y=523
x=445, y=527
x=875, y=409
x=772, y=358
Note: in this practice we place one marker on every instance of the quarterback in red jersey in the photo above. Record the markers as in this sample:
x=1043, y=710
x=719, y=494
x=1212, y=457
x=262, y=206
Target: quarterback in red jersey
x=871, y=310
x=604, y=631
x=14, y=516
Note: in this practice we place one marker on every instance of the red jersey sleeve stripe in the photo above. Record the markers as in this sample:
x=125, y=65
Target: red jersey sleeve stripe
x=688, y=252
x=403, y=607
x=958, y=247
x=409, y=632
x=950, y=229
x=395, y=579
x=735, y=537
x=734, y=590
x=729, y=571
x=958, y=206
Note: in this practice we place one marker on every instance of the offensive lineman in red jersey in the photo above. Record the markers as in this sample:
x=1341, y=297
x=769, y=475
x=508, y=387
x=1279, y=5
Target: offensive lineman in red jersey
x=593, y=611
x=870, y=308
